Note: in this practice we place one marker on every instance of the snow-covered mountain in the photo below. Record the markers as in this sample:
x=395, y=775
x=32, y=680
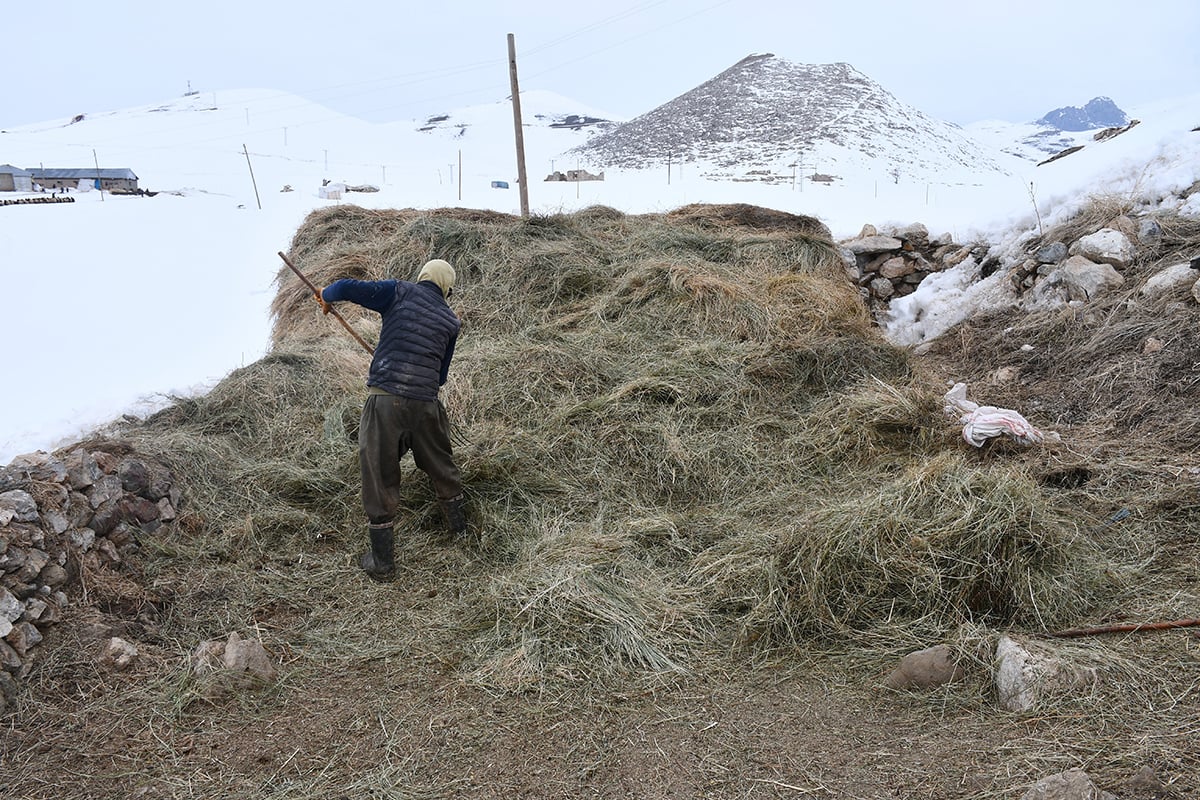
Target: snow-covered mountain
x=1054, y=132
x=1099, y=112
x=539, y=109
x=766, y=115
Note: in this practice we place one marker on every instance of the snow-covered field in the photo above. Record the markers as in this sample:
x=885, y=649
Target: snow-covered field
x=114, y=302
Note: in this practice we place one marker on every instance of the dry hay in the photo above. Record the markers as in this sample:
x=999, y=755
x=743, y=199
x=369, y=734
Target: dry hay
x=679, y=433
x=1098, y=368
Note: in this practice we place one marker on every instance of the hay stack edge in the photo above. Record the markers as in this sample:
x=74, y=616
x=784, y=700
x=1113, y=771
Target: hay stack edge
x=684, y=439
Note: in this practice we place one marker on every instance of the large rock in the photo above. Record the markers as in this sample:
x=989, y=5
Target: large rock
x=924, y=669
x=40, y=466
x=243, y=658
x=1170, y=279
x=1077, y=280
x=19, y=505
x=1025, y=676
x=915, y=234
x=82, y=469
x=248, y=656
x=107, y=489
x=896, y=267
x=1074, y=784
x=1052, y=253
x=1106, y=246
x=23, y=637
x=869, y=245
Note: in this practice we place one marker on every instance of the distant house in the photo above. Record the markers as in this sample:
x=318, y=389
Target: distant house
x=113, y=180
x=15, y=179
x=574, y=175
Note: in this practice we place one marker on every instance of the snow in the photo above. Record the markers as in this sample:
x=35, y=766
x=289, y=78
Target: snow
x=115, y=303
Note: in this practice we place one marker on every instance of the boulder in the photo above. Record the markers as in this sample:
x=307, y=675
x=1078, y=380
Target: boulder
x=241, y=657
x=107, y=489
x=82, y=469
x=873, y=244
x=1106, y=246
x=882, y=288
x=17, y=504
x=1149, y=232
x=896, y=267
x=248, y=656
x=1074, y=784
x=23, y=637
x=1078, y=280
x=1052, y=253
x=915, y=234
x=1169, y=279
x=924, y=669
x=1025, y=677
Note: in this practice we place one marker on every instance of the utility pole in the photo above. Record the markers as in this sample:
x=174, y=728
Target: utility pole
x=254, y=182
x=668, y=169
x=516, y=101
x=99, y=182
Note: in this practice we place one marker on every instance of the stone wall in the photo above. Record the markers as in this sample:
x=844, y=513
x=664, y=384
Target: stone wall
x=63, y=517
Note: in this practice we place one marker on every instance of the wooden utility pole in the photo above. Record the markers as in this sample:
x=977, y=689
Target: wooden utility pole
x=254, y=182
x=99, y=180
x=516, y=101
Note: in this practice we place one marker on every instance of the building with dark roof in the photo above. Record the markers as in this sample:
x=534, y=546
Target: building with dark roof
x=118, y=180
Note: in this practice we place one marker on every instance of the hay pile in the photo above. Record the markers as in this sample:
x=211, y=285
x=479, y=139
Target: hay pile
x=680, y=433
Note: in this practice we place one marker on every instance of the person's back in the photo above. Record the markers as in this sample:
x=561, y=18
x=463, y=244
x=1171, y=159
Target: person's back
x=402, y=411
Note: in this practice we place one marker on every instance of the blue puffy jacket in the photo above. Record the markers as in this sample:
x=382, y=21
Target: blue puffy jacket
x=418, y=335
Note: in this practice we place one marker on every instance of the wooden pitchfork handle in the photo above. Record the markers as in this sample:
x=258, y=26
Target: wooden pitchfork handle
x=1128, y=627
x=317, y=296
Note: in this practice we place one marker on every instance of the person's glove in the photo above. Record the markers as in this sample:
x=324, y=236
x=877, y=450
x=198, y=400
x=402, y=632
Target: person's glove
x=325, y=307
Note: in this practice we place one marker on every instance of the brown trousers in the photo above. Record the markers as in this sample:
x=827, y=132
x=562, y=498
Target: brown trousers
x=389, y=428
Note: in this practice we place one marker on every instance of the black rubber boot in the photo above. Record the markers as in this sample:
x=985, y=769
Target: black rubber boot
x=378, y=561
x=455, y=510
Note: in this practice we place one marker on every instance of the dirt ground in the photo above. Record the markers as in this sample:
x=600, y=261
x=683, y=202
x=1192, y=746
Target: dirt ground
x=400, y=721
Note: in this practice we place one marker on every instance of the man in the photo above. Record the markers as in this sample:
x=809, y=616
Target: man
x=402, y=411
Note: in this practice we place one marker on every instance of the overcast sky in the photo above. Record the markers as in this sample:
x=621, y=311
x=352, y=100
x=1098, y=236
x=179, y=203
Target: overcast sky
x=384, y=60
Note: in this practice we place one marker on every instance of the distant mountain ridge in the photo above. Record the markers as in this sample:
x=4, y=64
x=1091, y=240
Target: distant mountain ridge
x=766, y=113
x=1056, y=132
x=1100, y=112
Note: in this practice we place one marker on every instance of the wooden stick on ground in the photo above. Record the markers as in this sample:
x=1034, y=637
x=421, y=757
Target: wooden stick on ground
x=1129, y=627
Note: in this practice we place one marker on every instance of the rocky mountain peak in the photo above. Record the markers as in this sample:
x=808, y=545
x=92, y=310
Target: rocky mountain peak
x=765, y=112
x=1100, y=112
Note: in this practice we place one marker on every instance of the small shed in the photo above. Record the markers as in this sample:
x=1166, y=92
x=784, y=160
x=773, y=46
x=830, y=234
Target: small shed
x=15, y=179
x=112, y=180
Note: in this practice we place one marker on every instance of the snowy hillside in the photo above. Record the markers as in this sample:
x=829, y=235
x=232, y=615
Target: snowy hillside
x=764, y=114
x=1055, y=132
x=135, y=297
